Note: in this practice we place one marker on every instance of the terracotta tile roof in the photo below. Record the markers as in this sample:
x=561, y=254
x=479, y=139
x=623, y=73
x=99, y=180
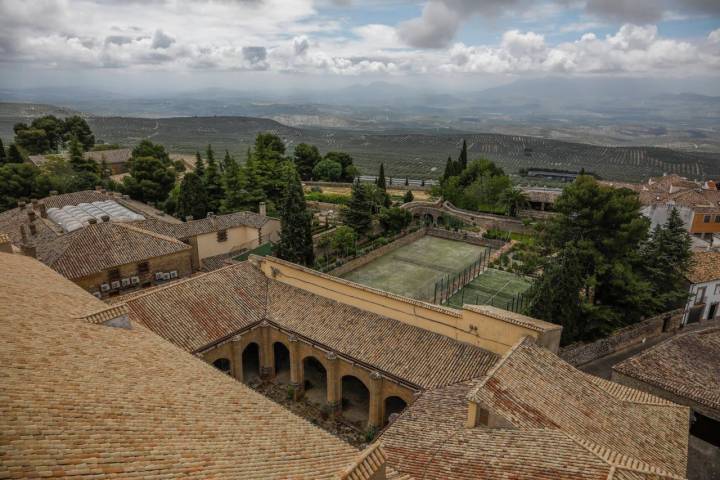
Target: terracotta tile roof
x=706, y=267
x=422, y=357
x=88, y=401
x=564, y=426
x=204, y=225
x=218, y=261
x=98, y=247
x=197, y=311
x=194, y=312
x=680, y=366
x=533, y=388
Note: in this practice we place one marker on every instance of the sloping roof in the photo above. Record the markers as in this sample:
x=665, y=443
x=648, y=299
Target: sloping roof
x=118, y=155
x=196, y=311
x=105, y=245
x=705, y=268
x=565, y=425
x=682, y=366
x=533, y=388
x=88, y=401
x=205, y=225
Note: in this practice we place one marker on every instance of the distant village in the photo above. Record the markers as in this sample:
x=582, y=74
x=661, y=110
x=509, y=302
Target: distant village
x=289, y=317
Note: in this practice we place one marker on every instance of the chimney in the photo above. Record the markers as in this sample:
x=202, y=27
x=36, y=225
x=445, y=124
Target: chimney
x=53, y=193
x=262, y=208
x=5, y=245
x=33, y=229
x=189, y=218
x=105, y=218
x=92, y=220
x=21, y=204
x=31, y=215
x=43, y=209
x=34, y=202
x=23, y=233
x=29, y=251
x=98, y=188
x=210, y=214
x=478, y=416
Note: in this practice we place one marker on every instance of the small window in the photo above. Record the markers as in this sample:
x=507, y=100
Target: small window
x=706, y=219
x=222, y=236
x=717, y=218
x=114, y=274
x=143, y=268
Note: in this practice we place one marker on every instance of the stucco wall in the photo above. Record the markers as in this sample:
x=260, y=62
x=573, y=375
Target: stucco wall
x=712, y=295
x=493, y=334
x=180, y=261
x=578, y=354
x=237, y=238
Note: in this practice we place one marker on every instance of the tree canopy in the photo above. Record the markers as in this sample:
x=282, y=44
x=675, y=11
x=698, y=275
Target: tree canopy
x=296, y=224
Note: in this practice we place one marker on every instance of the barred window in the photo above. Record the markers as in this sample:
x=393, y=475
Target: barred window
x=222, y=235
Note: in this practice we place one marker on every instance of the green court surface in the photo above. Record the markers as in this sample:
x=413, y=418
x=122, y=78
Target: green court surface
x=492, y=287
x=413, y=269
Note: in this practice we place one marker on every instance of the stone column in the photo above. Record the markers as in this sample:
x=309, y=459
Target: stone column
x=296, y=373
x=375, y=416
x=267, y=359
x=237, y=363
x=333, y=382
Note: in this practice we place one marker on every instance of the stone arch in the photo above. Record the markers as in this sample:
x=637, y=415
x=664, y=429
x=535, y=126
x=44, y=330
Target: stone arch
x=314, y=380
x=251, y=363
x=223, y=364
x=428, y=218
x=355, y=400
x=393, y=406
x=281, y=355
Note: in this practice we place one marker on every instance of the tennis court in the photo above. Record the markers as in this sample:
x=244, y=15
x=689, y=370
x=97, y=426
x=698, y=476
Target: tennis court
x=413, y=269
x=492, y=287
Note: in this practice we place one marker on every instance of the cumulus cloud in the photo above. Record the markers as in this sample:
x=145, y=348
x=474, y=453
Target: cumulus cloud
x=162, y=40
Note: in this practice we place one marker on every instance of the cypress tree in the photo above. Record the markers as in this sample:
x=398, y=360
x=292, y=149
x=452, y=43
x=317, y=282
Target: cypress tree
x=381, y=183
x=199, y=165
x=227, y=162
x=463, y=160
x=213, y=183
x=449, y=170
x=358, y=214
x=3, y=155
x=192, y=198
x=14, y=155
x=296, y=225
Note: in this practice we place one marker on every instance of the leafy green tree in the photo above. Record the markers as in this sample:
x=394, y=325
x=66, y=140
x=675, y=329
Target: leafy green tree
x=344, y=240
x=395, y=219
x=359, y=212
x=306, y=157
x=666, y=260
x=199, y=165
x=269, y=142
x=213, y=182
x=463, y=159
x=146, y=148
x=349, y=171
x=77, y=127
x=296, y=225
x=238, y=194
x=150, y=179
x=408, y=197
x=32, y=140
x=17, y=182
x=327, y=170
x=514, y=200
x=192, y=197
x=54, y=129
x=78, y=161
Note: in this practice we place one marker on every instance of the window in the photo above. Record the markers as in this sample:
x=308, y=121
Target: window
x=717, y=289
x=700, y=295
x=717, y=218
x=222, y=236
x=143, y=268
x=114, y=274
x=706, y=219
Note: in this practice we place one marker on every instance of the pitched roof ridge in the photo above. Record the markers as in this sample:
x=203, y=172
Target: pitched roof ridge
x=616, y=390
x=104, y=314
x=365, y=466
x=493, y=370
x=621, y=461
x=512, y=317
x=147, y=232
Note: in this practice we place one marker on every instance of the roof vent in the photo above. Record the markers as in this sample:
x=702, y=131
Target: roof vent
x=189, y=218
x=92, y=220
x=21, y=204
x=210, y=214
x=31, y=215
x=105, y=218
x=53, y=193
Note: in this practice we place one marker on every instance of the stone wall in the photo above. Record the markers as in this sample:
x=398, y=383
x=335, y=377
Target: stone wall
x=579, y=354
x=466, y=237
x=377, y=253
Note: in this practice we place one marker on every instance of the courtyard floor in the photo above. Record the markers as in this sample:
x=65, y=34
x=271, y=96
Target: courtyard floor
x=413, y=270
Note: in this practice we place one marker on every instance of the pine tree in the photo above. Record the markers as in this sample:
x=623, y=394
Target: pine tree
x=381, y=182
x=358, y=214
x=192, y=198
x=78, y=162
x=14, y=155
x=237, y=197
x=3, y=155
x=213, y=183
x=463, y=160
x=295, y=225
x=199, y=165
x=227, y=162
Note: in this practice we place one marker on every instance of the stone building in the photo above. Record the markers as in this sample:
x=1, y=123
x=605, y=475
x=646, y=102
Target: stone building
x=683, y=370
x=110, y=244
x=704, y=289
x=87, y=393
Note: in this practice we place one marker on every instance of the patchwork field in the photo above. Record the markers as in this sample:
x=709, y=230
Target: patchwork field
x=413, y=269
x=492, y=287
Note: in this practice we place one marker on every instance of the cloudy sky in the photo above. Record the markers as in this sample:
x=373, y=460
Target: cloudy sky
x=158, y=44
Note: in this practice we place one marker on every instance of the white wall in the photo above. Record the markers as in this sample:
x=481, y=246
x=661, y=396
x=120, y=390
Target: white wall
x=712, y=295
